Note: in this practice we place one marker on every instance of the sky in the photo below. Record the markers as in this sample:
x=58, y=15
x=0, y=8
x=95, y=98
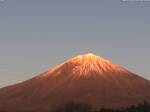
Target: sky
x=36, y=35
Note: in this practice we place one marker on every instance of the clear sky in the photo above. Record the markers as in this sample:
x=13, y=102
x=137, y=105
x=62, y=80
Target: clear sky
x=38, y=34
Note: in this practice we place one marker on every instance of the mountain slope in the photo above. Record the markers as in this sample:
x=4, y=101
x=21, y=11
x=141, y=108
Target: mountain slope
x=85, y=78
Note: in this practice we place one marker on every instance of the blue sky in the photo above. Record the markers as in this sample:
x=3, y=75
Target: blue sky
x=38, y=34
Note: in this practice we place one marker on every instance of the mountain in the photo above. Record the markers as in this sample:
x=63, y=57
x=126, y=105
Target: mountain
x=85, y=79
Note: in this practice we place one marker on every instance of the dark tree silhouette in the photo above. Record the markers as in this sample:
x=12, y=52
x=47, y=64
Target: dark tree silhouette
x=73, y=107
x=145, y=107
x=76, y=107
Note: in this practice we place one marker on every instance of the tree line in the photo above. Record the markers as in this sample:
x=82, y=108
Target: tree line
x=76, y=107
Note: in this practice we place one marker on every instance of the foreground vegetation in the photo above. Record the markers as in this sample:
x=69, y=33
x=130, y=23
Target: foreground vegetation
x=77, y=107
x=74, y=107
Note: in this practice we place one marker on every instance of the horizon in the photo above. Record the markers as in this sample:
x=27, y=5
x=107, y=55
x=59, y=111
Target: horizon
x=37, y=35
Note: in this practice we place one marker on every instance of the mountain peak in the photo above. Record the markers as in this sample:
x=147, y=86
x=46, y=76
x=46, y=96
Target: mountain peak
x=86, y=65
x=90, y=55
x=90, y=63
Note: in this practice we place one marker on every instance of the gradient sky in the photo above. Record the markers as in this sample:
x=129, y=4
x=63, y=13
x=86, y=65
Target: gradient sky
x=38, y=34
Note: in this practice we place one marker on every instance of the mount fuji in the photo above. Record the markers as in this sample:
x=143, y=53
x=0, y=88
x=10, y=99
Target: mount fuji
x=85, y=79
